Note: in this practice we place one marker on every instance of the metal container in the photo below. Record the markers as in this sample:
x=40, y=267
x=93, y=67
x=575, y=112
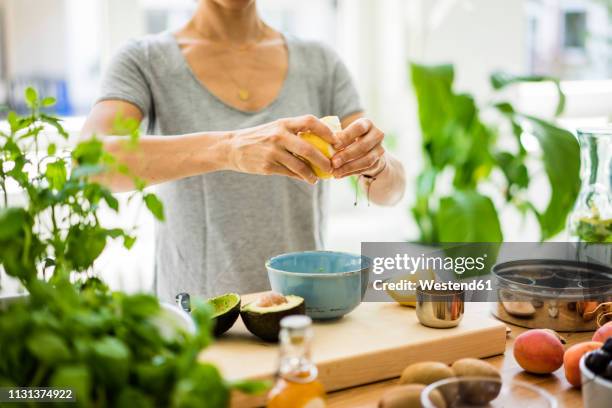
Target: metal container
x=553, y=294
x=439, y=309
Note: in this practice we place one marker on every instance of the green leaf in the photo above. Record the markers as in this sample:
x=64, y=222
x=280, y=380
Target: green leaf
x=111, y=359
x=11, y=221
x=433, y=88
x=131, y=397
x=561, y=156
x=56, y=123
x=202, y=387
x=48, y=347
x=251, y=387
x=31, y=97
x=513, y=168
x=453, y=134
x=202, y=313
x=56, y=174
x=128, y=241
x=468, y=216
x=13, y=121
x=500, y=80
x=88, y=152
x=155, y=206
x=140, y=305
x=48, y=102
x=51, y=149
x=74, y=377
x=422, y=213
x=110, y=199
x=84, y=245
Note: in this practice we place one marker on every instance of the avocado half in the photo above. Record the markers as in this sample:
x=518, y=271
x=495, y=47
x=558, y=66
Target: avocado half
x=264, y=322
x=226, y=309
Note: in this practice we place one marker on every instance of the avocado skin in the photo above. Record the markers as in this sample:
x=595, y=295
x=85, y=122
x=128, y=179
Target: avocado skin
x=266, y=326
x=225, y=321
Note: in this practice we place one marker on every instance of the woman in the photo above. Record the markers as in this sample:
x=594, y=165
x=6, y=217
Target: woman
x=224, y=99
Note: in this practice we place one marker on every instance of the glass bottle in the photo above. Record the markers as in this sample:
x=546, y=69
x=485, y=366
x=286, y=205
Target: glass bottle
x=297, y=385
x=591, y=218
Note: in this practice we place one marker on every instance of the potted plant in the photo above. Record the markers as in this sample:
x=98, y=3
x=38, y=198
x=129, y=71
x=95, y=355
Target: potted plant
x=72, y=331
x=462, y=154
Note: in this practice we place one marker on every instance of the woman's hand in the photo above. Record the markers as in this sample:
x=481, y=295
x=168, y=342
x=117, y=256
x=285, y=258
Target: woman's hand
x=359, y=150
x=272, y=148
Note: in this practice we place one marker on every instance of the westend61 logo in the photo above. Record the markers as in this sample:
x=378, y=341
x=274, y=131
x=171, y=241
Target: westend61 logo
x=412, y=264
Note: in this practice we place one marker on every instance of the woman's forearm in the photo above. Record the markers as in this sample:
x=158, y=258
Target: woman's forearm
x=388, y=186
x=157, y=159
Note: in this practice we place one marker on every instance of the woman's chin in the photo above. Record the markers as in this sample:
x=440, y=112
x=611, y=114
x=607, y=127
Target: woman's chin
x=235, y=4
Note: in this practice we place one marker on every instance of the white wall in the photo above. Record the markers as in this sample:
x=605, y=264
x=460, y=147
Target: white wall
x=479, y=36
x=30, y=22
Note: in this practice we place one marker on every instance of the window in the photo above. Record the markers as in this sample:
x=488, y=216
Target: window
x=575, y=29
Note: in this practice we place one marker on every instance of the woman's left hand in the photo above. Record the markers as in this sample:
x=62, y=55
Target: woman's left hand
x=359, y=150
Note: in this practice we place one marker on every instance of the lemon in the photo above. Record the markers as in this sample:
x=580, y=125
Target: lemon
x=408, y=297
x=321, y=144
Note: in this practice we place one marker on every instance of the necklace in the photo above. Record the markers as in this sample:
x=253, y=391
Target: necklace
x=242, y=91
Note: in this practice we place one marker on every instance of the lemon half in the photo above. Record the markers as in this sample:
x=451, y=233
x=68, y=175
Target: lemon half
x=333, y=122
x=408, y=297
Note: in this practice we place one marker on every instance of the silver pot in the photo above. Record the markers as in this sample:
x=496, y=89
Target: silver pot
x=554, y=294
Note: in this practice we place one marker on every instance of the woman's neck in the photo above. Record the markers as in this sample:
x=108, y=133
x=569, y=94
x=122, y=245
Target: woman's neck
x=217, y=23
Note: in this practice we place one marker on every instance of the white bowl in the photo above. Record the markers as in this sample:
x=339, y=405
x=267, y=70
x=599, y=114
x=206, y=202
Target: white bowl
x=596, y=390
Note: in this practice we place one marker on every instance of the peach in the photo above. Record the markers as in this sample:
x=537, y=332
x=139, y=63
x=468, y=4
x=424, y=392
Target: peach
x=603, y=333
x=571, y=360
x=538, y=351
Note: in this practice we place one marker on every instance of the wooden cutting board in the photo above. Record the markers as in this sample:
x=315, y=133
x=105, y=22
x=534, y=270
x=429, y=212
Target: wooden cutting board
x=374, y=342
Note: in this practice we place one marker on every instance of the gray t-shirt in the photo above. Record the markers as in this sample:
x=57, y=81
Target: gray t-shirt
x=221, y=227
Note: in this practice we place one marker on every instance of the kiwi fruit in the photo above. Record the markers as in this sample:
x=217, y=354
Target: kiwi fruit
x=409, y=396
x=477, y=392
x=425, y=372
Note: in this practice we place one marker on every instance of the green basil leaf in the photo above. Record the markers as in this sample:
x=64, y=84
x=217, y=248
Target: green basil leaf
x=11, y=221
x=88, y=152
x=13, y=121
x=31, y=97
x=140, y=305
x=130, y=397
x=128, y=241
x=84, y=245
x=48, y=347
x=56, y=174
x=110, y=199
x=155, y=206
x=251, y=387
x=51, y=149
x=56, y=123
x=111, y=358
x=202, y=387
x=77, y=378
x=48, y=102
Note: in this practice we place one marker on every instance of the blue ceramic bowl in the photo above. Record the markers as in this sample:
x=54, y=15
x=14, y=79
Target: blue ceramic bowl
x=331, y=283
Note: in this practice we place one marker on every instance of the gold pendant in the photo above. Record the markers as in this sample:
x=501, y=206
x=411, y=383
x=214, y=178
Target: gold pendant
x=243, y=94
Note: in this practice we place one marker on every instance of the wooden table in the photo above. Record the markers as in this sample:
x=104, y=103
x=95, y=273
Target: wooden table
x=367, y=396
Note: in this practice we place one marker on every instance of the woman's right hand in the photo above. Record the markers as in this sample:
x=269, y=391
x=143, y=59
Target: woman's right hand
x=271, y=148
